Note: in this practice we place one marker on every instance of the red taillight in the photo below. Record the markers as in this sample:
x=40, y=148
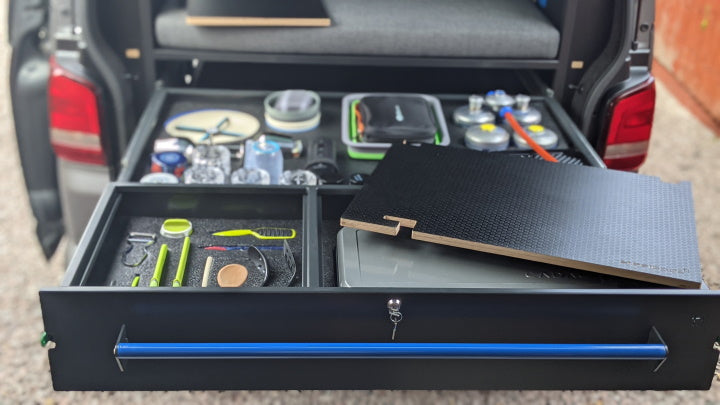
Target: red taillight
x=631, y=118
x=74, y=119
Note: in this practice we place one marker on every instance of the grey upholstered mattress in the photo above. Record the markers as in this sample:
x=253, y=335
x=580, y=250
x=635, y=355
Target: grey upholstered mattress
x=443, y=28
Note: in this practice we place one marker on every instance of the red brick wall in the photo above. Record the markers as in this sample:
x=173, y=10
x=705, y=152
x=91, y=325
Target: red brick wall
x=687, y=43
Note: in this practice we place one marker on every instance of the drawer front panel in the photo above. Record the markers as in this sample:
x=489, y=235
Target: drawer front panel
x=86, y=326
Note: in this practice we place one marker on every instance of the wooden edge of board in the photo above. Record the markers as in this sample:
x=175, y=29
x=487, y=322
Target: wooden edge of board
x=520, y=254
x=257, y=22
x=365, y=226
x=403, y=222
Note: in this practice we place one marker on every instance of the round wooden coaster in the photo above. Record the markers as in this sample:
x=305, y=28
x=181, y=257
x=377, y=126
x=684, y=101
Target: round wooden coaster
x=193, y=124
x=232, y=275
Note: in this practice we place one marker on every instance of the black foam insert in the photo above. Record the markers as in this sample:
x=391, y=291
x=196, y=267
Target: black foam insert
x=249, y=9
x=328, y=245
x=332, y=206
x=607, y=221
x=279, y=274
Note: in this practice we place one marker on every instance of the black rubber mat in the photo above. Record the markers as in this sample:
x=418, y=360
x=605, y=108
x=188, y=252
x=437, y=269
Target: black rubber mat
x=610, y=222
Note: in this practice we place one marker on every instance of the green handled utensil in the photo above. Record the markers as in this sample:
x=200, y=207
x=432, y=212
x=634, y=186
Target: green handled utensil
x=155, y=281
x=263, y=233
x=183, y=262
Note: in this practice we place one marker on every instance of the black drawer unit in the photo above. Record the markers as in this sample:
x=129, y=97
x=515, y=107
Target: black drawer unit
x=308, y=333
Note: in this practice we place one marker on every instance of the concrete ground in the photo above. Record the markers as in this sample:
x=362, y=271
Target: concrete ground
x=681, y=149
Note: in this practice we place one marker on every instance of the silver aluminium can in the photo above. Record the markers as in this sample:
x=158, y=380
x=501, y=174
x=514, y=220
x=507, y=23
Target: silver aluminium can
x=523, y=113
x=497, y=99
x=473, y=113
x=541, y=135
x=487, y=137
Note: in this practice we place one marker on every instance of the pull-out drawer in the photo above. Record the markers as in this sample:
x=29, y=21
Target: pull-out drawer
x=171, y=102
x=314, y=335
x=301, y=330
x=87, y=324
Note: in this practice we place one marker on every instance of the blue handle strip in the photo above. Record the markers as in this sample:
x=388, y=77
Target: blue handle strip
x=480, y=350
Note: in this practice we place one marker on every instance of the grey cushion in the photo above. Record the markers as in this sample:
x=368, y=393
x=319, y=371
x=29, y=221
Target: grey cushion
x=444, y=28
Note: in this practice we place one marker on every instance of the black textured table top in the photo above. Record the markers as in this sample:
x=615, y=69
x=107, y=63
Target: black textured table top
x=610, y=222
x=261, y=9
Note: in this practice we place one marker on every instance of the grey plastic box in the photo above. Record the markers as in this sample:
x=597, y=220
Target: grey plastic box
x=367, y=259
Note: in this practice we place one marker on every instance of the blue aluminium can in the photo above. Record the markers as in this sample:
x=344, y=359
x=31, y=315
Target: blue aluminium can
x=168, y=162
